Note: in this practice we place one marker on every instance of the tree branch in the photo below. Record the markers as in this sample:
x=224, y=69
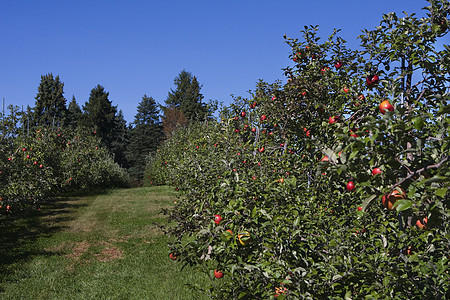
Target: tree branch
x=419, y=171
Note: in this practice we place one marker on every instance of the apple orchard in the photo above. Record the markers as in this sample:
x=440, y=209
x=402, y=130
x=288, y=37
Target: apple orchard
x=331, y=184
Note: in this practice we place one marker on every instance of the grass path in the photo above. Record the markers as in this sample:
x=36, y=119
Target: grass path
x=107, y=246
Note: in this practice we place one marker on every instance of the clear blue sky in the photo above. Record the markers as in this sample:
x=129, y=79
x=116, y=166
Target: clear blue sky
x=138, y=47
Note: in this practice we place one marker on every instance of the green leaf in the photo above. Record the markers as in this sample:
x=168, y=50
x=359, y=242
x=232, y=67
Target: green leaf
x=402, y=205
x=337, y=277
x=418, y=123
x=367, y=201
x=254, y=212
x=353, y=155
x=441, y=192
x=433, y=179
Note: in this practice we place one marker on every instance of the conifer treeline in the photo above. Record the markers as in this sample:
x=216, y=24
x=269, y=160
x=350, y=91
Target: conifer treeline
x=130, y=144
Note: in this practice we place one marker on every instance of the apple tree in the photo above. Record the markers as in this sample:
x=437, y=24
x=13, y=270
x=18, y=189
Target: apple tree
x=333, y=184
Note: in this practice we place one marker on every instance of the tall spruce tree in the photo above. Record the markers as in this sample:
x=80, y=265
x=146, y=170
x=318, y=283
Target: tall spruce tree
x=100, y=116
x=74, y=114
x=120, y=140
x=50, y=108
x=187, y=97
x=146, y=135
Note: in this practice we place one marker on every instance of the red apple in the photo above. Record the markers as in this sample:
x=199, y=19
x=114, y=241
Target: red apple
x=217, y=219
x=422, y=224
x=338, y=64
x=376, y=171
x=350, y=185
x=332, y=120
x=308, y=133
x=263, y=117
x=243, y=114
x=359, y=208
x=372, y=80
x=323, y=70
x=218, y=274
x=385, y=106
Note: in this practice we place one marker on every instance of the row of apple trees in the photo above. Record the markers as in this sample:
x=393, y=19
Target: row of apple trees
x=331, y=185
x=39, y=164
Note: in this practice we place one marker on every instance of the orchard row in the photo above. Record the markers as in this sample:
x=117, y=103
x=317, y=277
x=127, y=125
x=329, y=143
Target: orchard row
x=37, y=166
x=332, y=185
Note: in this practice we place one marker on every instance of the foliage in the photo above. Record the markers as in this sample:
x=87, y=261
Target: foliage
x=102, y=117
x=74, y=114
x=48, y=162
x=276, y=168
x=187, y=97
x=173, y=117
x=145, y=136
x=50, y=108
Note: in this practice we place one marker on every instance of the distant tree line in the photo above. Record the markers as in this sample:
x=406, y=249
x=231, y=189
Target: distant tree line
x=130, y=144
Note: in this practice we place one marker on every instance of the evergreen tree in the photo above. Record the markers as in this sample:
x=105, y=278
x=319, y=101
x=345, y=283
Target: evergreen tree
x=120, y=140
x=187, y=97
x=100, y=116
x=50, y=108
x=146, y=135
x=74, y=114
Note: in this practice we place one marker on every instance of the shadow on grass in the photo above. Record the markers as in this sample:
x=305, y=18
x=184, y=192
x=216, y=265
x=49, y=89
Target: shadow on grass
x=19, y=232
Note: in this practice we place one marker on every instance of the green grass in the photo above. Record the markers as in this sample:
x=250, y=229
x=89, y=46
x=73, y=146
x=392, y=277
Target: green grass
x=106, y=246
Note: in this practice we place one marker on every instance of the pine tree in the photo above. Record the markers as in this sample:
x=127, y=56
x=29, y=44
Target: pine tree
x=187, y=97
x=50, y=108
x=120, y=140
x=74, y=114
x=100, y=116
x=146, y=135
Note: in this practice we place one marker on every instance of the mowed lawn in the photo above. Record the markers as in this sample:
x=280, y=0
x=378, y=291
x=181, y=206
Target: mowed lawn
x=107, y=246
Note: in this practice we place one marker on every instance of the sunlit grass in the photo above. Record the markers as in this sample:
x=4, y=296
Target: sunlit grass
x=106, y=246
